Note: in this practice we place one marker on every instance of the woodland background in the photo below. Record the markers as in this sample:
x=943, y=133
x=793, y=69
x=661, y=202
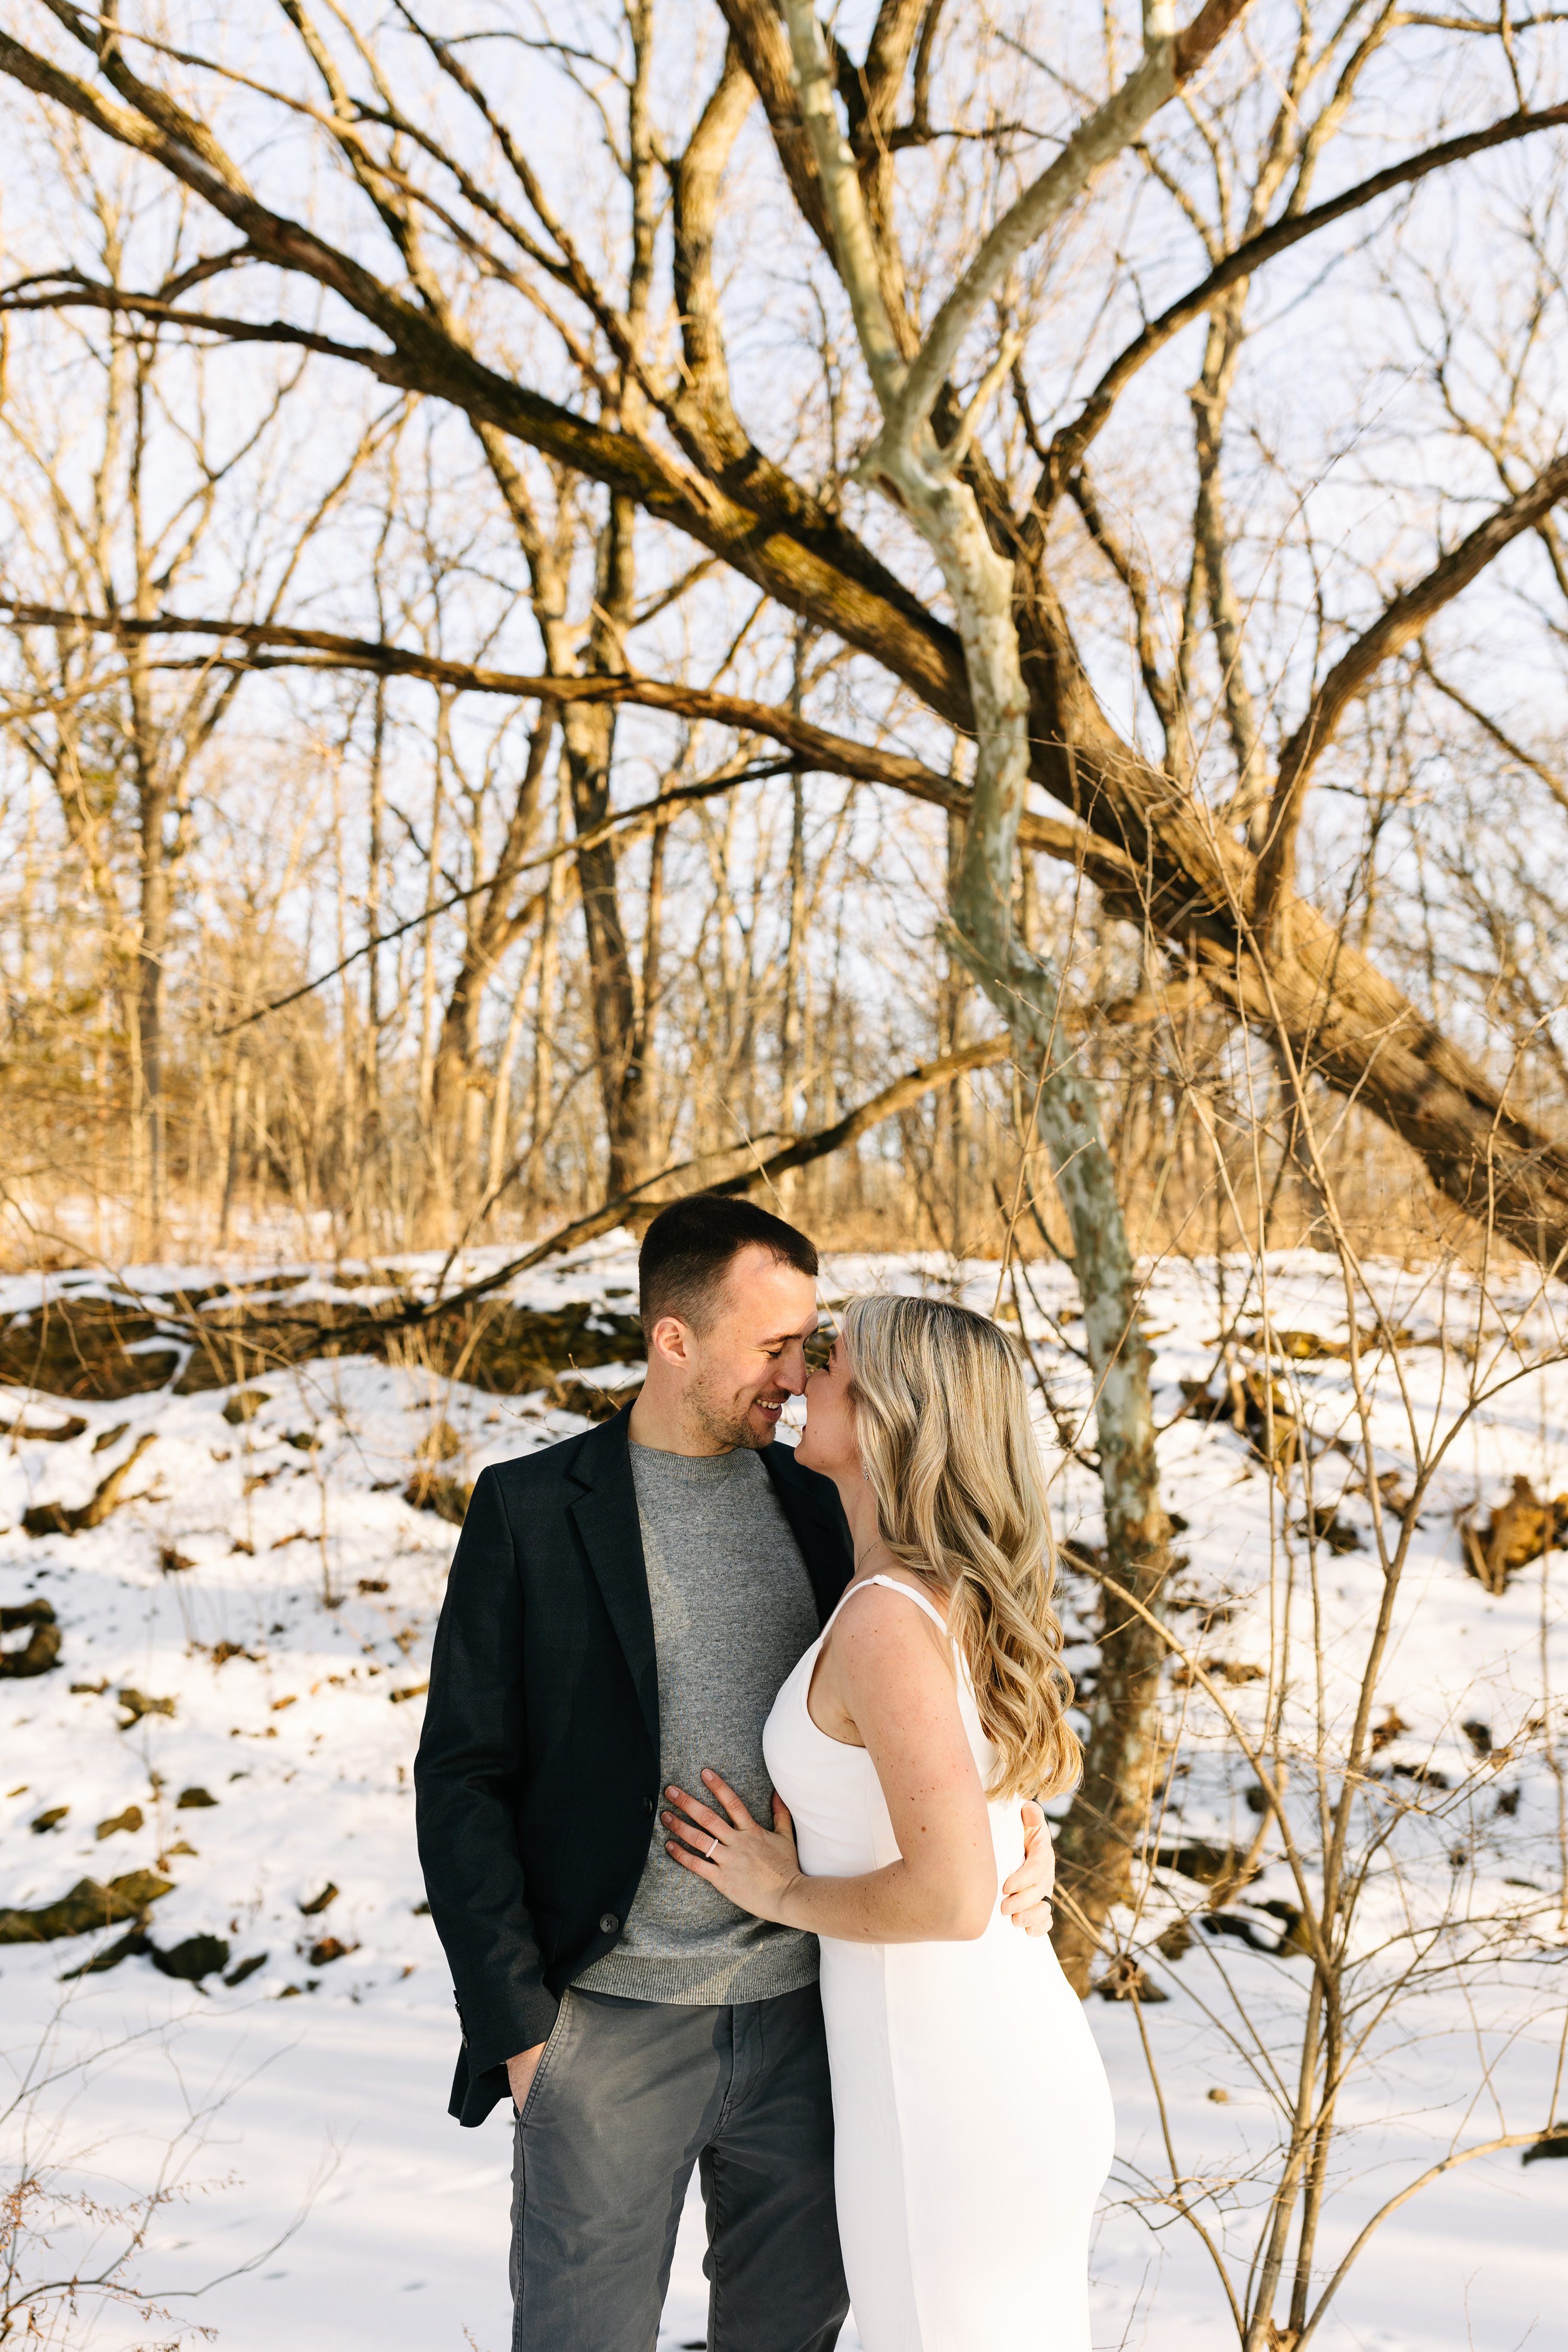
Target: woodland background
x=957, y=619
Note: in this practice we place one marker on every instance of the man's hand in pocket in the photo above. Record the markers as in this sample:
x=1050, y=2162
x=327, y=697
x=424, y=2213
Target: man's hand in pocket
x=520, y=2072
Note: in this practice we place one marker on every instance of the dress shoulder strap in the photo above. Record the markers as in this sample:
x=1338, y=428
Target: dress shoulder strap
x=931, y=1610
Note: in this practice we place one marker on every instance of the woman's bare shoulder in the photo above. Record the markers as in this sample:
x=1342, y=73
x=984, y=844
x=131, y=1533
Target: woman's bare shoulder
x=882, y=1624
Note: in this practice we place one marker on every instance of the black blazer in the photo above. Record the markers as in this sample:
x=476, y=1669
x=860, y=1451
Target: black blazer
x=536, y=1775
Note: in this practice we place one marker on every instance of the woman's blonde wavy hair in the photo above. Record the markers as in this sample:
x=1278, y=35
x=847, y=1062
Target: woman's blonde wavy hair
x=943, y=1423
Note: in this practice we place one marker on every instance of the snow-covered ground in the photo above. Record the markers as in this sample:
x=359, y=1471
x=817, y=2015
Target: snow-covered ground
x=268, y=1582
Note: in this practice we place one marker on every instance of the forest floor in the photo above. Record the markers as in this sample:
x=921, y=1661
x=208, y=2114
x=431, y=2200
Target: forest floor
x=236, y=1707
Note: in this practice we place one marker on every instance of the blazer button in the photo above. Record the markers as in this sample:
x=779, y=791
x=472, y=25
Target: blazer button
x=609, y=1923
x=647, y=1805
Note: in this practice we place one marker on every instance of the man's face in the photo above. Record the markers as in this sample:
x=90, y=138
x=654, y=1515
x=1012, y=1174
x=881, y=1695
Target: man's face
x=740, y=1371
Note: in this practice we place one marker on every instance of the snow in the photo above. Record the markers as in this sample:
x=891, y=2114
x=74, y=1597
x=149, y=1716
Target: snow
x=320, y=2193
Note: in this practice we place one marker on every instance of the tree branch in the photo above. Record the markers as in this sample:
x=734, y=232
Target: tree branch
x=1396, y=627
x=1160, y=689
x=1169, y=59
x=625, y=825
x=697, y=178
x=798, y=1153
x=1070, y=442
x=770, y=530
x=758, y=36
x=816, y=748
x=1433, y=2172
x=981, y=1055
x=1555, y=784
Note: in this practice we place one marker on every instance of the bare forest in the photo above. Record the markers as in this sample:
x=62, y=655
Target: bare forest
x=528, y=358
x=956, y=619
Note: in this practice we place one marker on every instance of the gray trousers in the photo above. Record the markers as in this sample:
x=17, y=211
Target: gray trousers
x=630, y=2094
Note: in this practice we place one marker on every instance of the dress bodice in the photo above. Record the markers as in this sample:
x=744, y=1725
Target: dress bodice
x=842, y=1824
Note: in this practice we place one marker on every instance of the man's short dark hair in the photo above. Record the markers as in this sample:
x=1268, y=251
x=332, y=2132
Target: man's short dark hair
x=690, y=1247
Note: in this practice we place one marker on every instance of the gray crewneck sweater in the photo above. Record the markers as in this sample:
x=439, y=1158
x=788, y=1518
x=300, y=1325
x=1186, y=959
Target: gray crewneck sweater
x=733, y=1613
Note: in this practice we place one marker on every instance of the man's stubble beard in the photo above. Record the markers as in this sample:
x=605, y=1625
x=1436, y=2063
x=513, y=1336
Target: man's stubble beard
x=723, y=1424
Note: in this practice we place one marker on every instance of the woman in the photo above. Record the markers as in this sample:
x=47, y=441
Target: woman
x=971, y=2116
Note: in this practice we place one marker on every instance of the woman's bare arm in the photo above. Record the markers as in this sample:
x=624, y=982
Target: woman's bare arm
x=887, y=1674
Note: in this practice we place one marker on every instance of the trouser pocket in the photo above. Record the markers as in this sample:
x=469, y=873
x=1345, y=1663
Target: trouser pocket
x=552, y=2051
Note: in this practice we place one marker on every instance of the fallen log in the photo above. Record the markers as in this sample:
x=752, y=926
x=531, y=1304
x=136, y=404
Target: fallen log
x=88, y=1905
x=60, y=1519
x=42, y=1649
x=59, y=1432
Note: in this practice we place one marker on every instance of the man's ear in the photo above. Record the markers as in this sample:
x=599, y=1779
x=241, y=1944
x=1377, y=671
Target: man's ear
x=670, y=1340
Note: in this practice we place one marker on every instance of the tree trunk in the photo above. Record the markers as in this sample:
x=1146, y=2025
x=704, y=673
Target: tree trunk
x=1306, y=988
x=588, y=737
x=500, y=1094
x=619, y=1034
x=433, y=1213
x=541, y=1082
x=791, y=1110
x=928, y=486
x=1105, y=1825
x=154, y=895
x=590, y=743
x=459, y=1082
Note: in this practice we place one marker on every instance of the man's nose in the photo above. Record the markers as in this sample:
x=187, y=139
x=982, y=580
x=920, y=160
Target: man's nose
x=790, y=1370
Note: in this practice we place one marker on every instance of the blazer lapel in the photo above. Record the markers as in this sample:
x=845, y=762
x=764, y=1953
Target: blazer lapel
x=816, y=1522
x=605, y=1514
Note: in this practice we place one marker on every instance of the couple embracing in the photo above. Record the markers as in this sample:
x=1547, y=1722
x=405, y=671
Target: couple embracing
x=727, y=1823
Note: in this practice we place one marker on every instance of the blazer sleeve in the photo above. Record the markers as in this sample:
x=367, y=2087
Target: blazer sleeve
x=467, y=1778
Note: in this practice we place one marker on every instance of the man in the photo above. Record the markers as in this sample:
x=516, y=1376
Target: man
x=622, y=1610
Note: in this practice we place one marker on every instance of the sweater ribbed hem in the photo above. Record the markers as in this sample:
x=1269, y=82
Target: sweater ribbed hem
x=705, y=1979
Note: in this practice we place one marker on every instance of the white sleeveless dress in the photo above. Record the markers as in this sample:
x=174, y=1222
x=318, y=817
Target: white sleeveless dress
x=972, y=2116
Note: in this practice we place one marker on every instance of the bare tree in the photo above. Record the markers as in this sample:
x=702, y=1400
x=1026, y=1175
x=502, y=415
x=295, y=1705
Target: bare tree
x=1177, y=687
x=109, y=534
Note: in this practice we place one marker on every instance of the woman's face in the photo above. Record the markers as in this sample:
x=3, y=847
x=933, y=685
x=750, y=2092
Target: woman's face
x=829, y=1444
